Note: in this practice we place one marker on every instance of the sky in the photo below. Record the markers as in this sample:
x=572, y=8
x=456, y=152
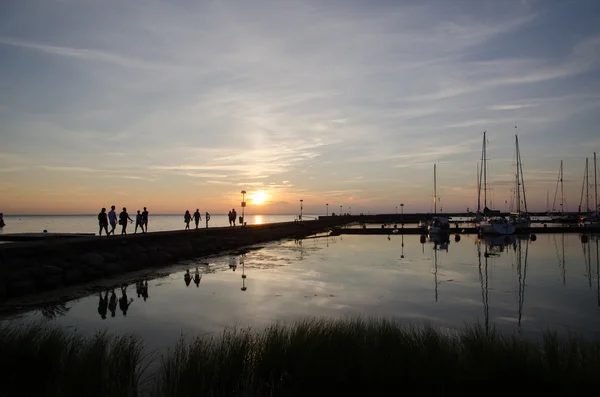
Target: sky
x=183, y=104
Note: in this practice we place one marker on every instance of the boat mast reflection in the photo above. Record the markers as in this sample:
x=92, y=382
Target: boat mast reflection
x=522, y=273
x=484, y=286
x=561, y=259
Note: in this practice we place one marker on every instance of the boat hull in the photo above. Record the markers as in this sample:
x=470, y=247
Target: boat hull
x=500, y=229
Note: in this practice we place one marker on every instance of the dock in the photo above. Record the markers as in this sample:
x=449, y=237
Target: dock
x=461, y=230
x=41, y=236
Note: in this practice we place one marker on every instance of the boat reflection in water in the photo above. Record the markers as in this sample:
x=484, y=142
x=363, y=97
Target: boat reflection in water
x=490, y=247
x=495, y=245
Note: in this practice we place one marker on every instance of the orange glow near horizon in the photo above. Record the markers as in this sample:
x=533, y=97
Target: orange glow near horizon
x=259, y=197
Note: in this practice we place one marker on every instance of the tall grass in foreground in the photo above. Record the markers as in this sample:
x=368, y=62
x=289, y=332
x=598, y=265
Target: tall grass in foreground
x=311, y=357
x=39, y=361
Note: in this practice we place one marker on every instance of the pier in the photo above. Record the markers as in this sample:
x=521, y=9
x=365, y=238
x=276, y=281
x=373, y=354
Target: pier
x=36, y=265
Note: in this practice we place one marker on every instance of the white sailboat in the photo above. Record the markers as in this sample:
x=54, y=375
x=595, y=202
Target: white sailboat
x=490, y=224
x=520, y=219
x=437, y=225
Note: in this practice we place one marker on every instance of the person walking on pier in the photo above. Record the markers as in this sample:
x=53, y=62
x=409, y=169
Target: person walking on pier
x=187, y=218
x=123, y=218
x=112, y=218
x=139, y=221
x=233, y=216
x=103, y=221
x=197, y=217
x=145, y=220
x=229, y=217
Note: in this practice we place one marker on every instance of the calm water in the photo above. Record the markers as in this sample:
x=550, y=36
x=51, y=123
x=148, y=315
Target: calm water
x=89, y=223
x=517, y=285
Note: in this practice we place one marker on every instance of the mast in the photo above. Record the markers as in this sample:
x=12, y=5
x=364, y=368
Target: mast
x=562, y=191
x=478, y=190
x=547, y=201
x=595, y=186
x=587, y=186
x=522, y=179
x=484, y=165
x=518, y=182
x=434, y=191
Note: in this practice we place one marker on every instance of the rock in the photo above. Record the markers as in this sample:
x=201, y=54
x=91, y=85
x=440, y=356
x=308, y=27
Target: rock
x=47, y=270
x=91, y=273
x=51, y=282
x=73, y=276
x=110, y=257
x=21, y=287
x=92, y=259
x=20, y=274
x=61, y=263
x=112, y=268
x=3, y=289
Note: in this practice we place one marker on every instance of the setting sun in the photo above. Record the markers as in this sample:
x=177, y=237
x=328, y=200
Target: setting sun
x=259, y=197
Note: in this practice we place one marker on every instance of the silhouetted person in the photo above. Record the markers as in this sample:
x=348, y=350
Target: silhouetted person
x=112, y=304
x=112, y=218
x=123, y=302
x=145, y=291
x=187, y=278
x=207, y=218
x=187, y=218
x=103, y=305
x=229, y=216
x=138, y=288
x=197, y=217
x=139, y=222
x=123, y=218
x=233, y=216
x=103, y=221
x=2, y=224
x=197, y=278
x=145, y=220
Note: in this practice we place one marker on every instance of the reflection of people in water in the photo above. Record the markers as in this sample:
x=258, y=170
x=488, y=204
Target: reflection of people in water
x=123, y=302
x=138, y=288
x=187, y=278
x=145, y=291
x=197, y=277
x=112, y=304
x=103, y=305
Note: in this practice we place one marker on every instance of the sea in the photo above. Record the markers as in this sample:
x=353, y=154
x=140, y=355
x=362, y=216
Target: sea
x=89, y=223
x=514, y=284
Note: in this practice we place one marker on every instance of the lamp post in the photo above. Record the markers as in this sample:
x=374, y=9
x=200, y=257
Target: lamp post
x=402, y=213
x=243, y=206
x=327, y=209
x=350, y=210
x=301, y=201
x=340, y=210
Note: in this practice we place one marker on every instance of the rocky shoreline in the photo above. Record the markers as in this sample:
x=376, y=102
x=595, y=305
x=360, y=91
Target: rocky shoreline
x=33, y=267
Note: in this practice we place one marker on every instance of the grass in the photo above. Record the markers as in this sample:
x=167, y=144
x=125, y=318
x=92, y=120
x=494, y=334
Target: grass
x=311, y=357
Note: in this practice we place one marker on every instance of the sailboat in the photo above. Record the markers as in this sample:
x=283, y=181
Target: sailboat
x=490, y=224
x=520, y=219
x=560, y=216
x=437, y=225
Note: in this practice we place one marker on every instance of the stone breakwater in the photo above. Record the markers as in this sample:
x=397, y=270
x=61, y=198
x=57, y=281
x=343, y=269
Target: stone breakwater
x=27, y=268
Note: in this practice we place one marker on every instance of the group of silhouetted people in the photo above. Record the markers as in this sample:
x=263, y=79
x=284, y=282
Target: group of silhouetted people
x=232, y=216
x=197, y=217
x=187, y=277
x=104, y=219
x=105, y=304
